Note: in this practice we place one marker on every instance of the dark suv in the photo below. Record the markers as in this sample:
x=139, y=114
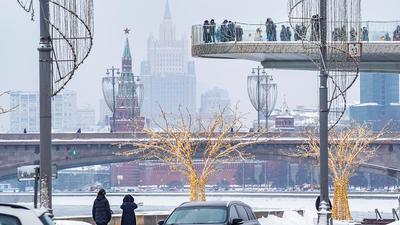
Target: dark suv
x=212, y=212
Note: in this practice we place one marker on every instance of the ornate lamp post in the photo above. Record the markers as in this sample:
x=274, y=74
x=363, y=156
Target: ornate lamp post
x=268, y=87
x=262, y=93
x=113, y=71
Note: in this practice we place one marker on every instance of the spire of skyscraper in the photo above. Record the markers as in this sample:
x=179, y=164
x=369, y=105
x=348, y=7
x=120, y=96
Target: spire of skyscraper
x=167, y=13
x=167, y=28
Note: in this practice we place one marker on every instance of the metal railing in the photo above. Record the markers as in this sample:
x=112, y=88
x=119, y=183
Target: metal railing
x=367, y=31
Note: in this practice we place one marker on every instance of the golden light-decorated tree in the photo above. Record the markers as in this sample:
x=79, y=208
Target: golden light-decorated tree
x=349, y=148
x=186, y=141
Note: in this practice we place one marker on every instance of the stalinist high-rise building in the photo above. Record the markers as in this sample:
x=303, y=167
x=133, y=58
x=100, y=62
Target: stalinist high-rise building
x=168, y=76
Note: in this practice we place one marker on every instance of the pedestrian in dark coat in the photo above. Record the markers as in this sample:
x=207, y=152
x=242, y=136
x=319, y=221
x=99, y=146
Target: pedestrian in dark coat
x=224, y=31
x=212, y=30
x=231, y=31
x=283, y=33
x=101, y=211
x=206, y=31
x=288, y=34
x=128, y=211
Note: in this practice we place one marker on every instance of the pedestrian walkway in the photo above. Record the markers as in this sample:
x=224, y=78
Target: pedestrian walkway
x=379, y=45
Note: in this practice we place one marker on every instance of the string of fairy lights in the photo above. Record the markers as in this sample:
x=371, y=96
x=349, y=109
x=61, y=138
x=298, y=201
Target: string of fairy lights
x=72, y=27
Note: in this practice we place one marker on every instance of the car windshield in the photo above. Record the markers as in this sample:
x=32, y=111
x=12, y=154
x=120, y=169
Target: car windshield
x=197, y=215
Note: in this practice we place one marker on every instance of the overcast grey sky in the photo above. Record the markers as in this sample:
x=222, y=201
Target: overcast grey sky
x=19, y=40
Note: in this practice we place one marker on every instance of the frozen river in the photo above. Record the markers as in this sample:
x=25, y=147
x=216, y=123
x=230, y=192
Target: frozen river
x=362, y=205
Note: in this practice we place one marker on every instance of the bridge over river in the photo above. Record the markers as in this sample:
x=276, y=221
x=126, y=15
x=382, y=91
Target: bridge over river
x=73, y=150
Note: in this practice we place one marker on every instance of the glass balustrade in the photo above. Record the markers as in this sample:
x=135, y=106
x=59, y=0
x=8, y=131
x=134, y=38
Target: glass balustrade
x=368, y=31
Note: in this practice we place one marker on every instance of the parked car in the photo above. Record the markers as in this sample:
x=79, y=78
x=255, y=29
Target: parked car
x=13, y=214
x=212, y=212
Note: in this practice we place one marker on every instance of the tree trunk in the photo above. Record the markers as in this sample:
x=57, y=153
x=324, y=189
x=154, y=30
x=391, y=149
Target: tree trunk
x=341, y=209
x=194, y=187
x=202, y=188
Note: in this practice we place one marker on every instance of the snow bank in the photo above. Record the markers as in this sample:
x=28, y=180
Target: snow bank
x=395, y=223
x=309, y=218
x=288, y=218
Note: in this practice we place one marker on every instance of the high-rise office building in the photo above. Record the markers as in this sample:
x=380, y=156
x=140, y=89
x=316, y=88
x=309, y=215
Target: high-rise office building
x=213, y=102
x=379, y=101
x=85, y=118
x=105, y=113
x=26, y=113
x=64, y=111
x=168, y=76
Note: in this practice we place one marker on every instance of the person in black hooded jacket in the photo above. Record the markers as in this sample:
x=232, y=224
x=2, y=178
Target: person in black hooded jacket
x=101, y=211
x=128, y=211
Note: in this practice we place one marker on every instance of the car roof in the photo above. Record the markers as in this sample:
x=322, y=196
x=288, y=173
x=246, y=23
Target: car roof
x=211, y=203
x=15, y=206
x=38, y=212
x=24, y=214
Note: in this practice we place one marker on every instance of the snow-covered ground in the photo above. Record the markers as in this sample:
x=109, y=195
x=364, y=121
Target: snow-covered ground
x=293, y=218
x=360, y=206
x=289, y=218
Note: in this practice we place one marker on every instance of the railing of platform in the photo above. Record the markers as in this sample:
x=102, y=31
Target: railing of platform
x=371, y=31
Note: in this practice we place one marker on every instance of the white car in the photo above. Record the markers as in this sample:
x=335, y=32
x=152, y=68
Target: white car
x=12, y=214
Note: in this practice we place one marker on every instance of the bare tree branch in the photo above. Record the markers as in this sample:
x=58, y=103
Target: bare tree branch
x=185, y=141
x=349, y=148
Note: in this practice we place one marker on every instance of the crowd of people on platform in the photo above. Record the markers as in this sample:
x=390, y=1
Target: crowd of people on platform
x=286, y=33
x=231, y=31
x=227, y=31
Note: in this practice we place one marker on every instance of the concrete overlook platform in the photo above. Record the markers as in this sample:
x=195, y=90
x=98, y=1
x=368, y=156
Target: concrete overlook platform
x=377, y=54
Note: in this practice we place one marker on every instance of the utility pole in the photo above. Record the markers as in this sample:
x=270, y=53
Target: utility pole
x=324, y=212
x=113, y=70
x=45, y=87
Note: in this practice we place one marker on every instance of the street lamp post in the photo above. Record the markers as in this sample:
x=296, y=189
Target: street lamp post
x=259, y=108
x=45, y=84
x=135, y=102
x=324, y=213
x=267, y=90
x=257, y=84
x=113, y=70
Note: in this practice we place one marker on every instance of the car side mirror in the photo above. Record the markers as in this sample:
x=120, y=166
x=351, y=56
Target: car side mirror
x=237, y=221
x=161, y=222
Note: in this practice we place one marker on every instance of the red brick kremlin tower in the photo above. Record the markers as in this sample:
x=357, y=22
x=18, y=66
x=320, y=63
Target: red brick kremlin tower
x=128, y=96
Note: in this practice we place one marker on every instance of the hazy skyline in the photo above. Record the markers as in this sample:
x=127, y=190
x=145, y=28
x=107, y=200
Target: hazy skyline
x=19, y=40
